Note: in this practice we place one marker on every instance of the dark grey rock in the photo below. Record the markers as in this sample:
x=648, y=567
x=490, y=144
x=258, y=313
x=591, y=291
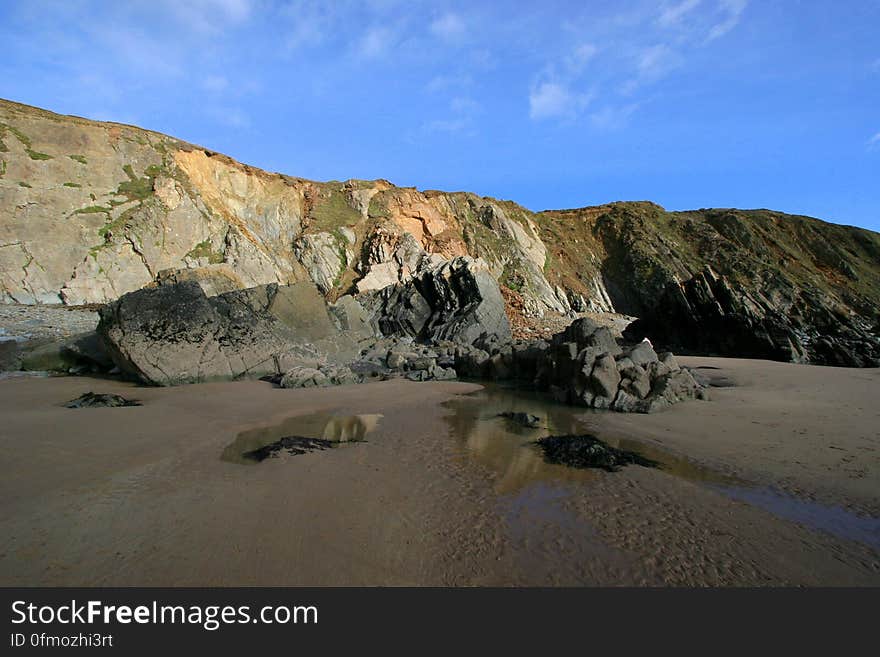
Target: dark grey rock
x=604, y=377
x=175, y=334
x=636, y=381
x=587, y=451
x=101, y=400
x=293, y=445
x=642, y=354
x=456, y=301
x=525, y=419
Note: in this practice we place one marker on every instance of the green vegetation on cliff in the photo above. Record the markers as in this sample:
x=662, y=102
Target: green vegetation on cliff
x=205, y=250
x=330, y=210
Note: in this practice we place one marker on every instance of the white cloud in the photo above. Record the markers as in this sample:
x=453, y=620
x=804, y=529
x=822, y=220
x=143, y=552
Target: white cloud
x=449, y=27
x=375, y=41
x=234, y=10
x=554, y=100
x=652, y=64
x=624, y=51
x=874, y=142
x=656, y=61
x=672, y=15
x=732, y=12
x=580, y=57
x=557, y=92
x=309, y=22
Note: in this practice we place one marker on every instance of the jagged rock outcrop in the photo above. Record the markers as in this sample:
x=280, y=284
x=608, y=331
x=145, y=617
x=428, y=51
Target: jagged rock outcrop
x=706, y=314
x=584, y=365
x=175, y=333
x=751, y=284
x=90, y=211
x=454, y=301
x=325, y=257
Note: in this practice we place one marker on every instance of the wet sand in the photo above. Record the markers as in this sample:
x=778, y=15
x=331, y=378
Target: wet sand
x=441, y=492
x=808, y=430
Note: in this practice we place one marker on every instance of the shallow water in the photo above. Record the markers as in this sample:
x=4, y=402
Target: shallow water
x=508, y=448
x=327, y=426
x=521, y=473
x=533, y=492
x=834, y=520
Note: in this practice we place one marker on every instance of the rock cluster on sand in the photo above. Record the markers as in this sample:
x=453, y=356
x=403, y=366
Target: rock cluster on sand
x=175, y=333
x=588, y=367
x=584, y=365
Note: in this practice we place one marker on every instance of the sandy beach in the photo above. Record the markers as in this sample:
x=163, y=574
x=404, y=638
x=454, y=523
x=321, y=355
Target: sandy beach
x=775, y=481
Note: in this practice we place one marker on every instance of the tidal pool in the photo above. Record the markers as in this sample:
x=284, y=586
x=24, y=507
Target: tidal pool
x=831, y=519
x=329, y=427
x=529, y=486
x=508, y=450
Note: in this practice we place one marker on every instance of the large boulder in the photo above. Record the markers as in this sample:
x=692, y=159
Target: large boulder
x=174, y=334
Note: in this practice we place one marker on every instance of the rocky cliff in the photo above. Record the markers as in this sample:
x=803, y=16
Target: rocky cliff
x=90, y=211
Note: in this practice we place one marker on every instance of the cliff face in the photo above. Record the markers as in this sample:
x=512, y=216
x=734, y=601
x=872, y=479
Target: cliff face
x=753, y=283
x=90, y=211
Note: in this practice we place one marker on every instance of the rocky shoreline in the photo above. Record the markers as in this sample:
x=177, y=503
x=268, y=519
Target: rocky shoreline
x=447, y=322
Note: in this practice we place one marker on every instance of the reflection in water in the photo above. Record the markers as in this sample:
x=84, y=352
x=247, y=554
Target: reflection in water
x=326, y=426
x=350, y=428
x=507, y=449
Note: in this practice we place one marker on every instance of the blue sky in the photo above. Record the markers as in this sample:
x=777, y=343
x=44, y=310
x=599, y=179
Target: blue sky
x=689, y=103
